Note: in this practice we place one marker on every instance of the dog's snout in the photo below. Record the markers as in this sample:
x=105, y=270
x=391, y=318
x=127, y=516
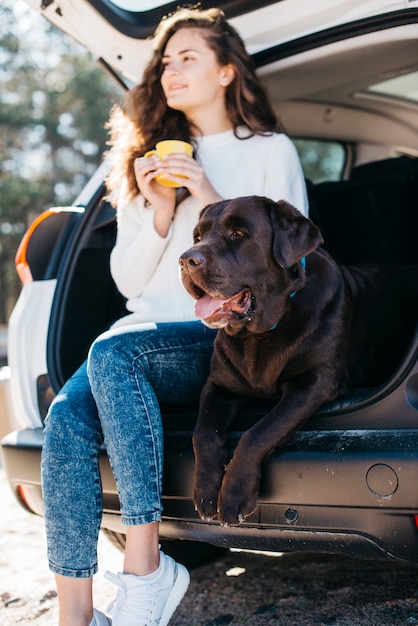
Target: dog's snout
x=192, y=258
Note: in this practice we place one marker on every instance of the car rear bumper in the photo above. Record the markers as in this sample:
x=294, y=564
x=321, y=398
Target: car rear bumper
x=351, y=492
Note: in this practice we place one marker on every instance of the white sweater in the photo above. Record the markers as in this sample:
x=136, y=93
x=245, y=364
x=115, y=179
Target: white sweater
x=145, y=265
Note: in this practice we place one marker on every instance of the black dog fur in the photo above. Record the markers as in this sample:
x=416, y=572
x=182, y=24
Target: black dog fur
x=289, y=333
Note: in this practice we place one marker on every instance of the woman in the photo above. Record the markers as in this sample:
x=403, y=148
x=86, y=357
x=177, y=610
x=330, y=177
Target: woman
x=200, y=87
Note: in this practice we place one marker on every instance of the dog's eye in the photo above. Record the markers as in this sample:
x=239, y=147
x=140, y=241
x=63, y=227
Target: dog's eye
x=196, y=237
x=237, y=233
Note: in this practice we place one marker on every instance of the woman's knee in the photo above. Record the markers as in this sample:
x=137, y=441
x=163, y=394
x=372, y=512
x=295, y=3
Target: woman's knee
x=115, y=351
x=72, y=418
x=164, y=356
x=102, y=354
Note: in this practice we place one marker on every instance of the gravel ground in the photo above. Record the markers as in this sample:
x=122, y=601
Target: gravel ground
x=239, y=589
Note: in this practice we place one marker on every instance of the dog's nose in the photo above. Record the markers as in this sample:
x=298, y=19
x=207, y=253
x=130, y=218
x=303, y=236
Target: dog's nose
x=191, y=258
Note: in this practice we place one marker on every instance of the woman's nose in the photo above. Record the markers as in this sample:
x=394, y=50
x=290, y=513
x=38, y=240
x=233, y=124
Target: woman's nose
x=171, y=68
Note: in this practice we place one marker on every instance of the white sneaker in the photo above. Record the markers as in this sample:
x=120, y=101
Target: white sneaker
x=142, y=602
x=100, y=619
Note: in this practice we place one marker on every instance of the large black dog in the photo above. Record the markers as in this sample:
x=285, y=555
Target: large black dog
x=294, y=327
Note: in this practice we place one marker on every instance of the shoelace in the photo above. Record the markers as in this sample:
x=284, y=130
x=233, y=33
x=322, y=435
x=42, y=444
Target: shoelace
x=141, y=600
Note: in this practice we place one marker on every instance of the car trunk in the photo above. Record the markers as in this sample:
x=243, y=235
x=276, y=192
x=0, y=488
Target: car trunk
x=371, y=218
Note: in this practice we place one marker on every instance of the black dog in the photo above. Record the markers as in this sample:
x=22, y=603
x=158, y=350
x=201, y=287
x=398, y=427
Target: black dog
x=295, y=327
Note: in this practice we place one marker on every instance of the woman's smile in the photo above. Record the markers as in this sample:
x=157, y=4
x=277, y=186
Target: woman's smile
x=192, y=79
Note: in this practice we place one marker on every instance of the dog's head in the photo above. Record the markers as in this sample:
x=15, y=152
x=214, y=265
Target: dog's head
x=246, y=262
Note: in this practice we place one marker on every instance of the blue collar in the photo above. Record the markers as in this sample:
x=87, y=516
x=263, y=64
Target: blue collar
x=303, y=264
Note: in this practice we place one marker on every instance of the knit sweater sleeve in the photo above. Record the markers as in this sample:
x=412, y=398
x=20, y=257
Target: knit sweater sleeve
x=284, y=176
x=138, y=248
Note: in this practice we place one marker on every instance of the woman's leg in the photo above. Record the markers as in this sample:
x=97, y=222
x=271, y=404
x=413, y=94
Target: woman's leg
x=130, y=371
x=142, y=552
x=75, y=600
x=72, y=495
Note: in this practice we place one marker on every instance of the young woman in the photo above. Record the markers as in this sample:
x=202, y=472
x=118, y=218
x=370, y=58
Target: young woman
x=200, y=86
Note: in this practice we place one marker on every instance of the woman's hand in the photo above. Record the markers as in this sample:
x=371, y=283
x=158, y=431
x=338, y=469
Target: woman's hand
x=163, y=199
x=187, y=172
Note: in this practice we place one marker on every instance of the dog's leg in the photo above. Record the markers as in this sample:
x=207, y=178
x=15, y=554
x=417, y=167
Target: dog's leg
x=217, y=409
x=300, y=399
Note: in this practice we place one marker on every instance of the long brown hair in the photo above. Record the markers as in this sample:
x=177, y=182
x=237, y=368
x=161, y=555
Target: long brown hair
x=146, y=118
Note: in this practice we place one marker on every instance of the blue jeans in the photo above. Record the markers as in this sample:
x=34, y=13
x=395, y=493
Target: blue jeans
x=129, y=370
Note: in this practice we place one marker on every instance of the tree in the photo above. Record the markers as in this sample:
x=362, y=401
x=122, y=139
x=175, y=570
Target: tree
x=54, y=103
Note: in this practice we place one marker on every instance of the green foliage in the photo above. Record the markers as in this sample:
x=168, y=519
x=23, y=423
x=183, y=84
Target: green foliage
x=321, y=160
x=54, y=102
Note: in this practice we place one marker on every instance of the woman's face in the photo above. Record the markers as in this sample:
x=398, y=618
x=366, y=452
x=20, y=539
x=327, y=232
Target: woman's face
x=192, y=80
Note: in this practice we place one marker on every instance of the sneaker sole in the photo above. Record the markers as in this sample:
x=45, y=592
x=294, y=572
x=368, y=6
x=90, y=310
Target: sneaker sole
x=179, y=589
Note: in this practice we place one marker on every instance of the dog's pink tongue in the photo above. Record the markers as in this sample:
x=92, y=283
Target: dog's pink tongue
x=206, y=306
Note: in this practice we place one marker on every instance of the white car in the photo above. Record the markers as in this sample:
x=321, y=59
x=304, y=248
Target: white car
x=343, y=75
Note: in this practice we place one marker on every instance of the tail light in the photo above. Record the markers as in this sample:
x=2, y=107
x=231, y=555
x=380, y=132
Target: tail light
x=31, y=499
x=21, y=262
x=41, y=236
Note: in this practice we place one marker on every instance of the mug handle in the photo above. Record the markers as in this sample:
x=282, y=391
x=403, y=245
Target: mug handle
x=150, y=153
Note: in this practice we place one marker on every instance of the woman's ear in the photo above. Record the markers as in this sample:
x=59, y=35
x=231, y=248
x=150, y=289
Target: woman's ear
x=227, y=75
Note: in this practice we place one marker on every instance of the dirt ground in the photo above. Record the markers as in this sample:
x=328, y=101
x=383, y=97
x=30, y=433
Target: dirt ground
x=238, y=589
x=27, y=590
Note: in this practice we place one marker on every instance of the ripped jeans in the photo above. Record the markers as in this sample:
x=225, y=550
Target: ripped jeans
x=114, y=399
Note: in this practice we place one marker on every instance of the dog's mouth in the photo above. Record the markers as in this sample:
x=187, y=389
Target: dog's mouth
x=217, y=311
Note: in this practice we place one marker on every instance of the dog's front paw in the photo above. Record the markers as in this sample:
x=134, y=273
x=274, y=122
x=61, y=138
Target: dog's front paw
x=205, y=506
x=238, y=495
x=206, y=490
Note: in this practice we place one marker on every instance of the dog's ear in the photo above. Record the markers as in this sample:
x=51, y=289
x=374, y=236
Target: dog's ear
x=294, y=235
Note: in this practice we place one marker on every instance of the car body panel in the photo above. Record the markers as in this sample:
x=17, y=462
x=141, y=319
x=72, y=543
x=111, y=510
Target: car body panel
x=28, y=327
x=333, y=491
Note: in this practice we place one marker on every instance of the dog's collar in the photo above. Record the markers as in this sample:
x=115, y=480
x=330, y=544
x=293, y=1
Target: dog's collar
x=303, y=264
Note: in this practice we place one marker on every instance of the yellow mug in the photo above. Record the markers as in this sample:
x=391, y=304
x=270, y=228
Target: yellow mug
x=165, y=147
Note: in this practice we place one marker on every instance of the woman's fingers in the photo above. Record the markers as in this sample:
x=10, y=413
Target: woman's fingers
x=143, y=166
x=178, y=167
x=146, y=169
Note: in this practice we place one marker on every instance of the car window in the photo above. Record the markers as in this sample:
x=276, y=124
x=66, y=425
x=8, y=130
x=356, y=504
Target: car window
x=321, y=160
x=404, y=87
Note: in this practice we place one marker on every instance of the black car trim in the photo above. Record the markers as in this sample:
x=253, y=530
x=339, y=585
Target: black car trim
x=141, y=24
x=112, y=73
x=90, y=223
x=370, y=526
